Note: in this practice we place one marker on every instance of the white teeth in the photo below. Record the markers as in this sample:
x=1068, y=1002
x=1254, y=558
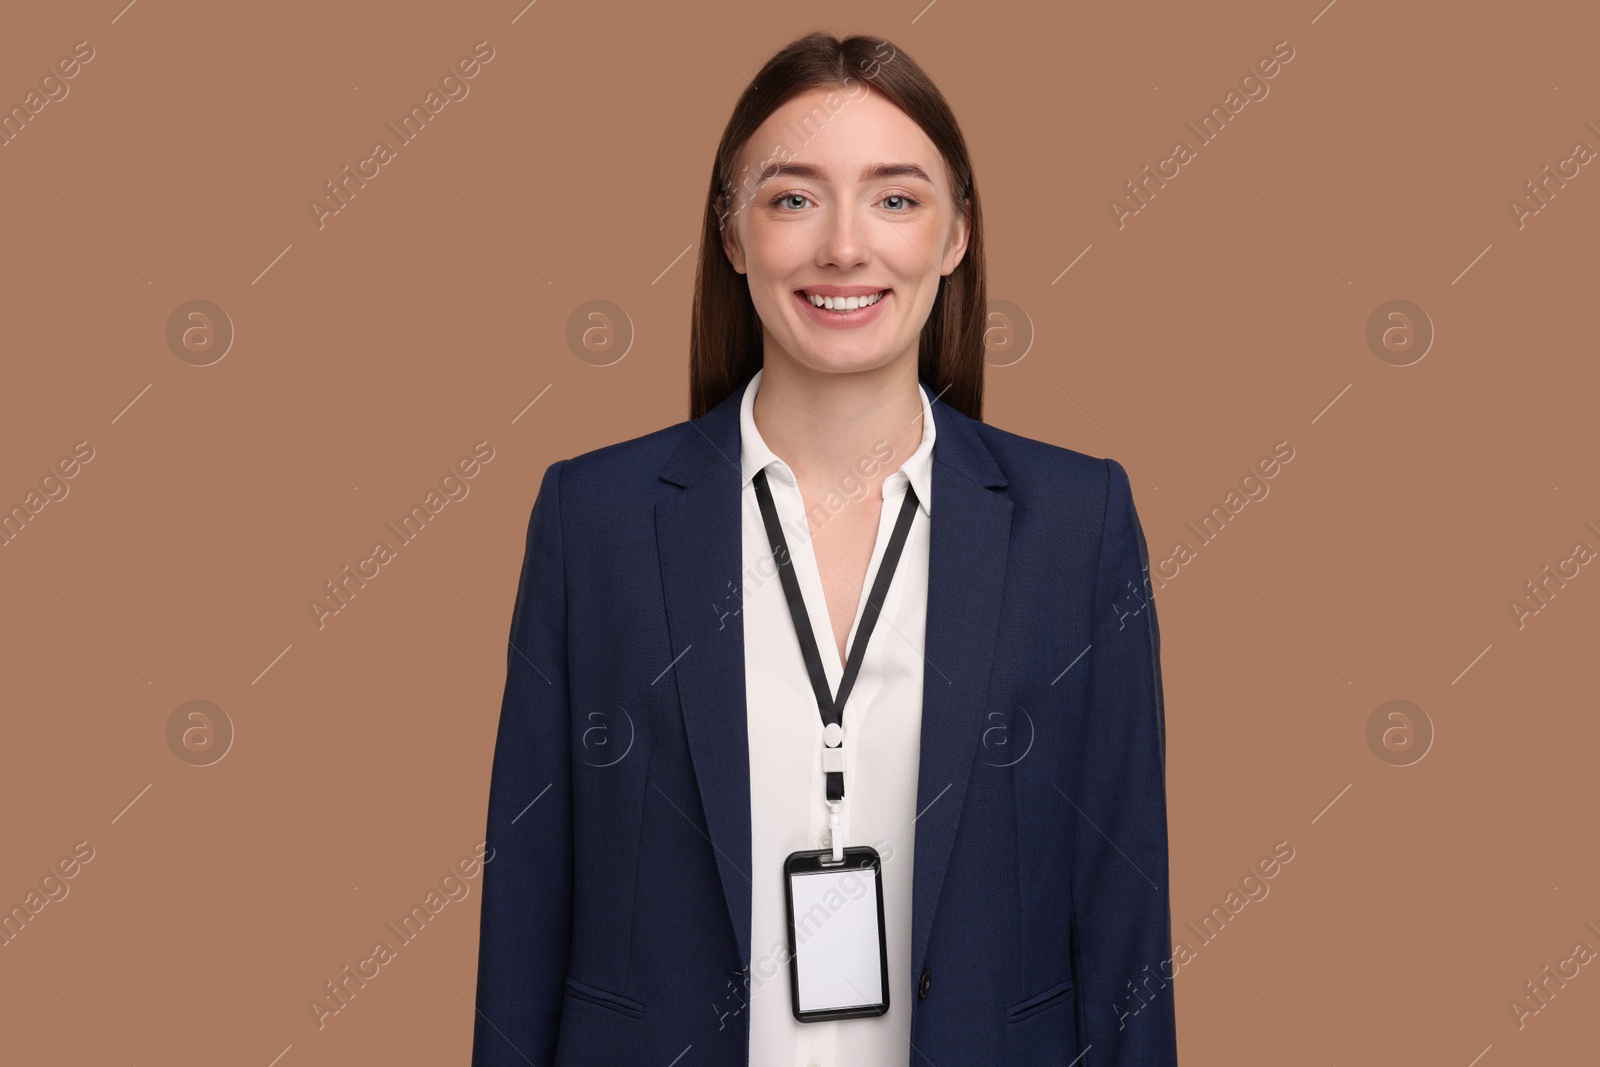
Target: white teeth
x=844, y=303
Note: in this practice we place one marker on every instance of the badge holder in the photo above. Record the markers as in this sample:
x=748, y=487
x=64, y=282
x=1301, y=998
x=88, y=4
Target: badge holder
x=838, y=953
x=838, y=947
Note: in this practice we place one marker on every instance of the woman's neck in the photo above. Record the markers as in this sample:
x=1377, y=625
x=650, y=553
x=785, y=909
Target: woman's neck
x=829, y=425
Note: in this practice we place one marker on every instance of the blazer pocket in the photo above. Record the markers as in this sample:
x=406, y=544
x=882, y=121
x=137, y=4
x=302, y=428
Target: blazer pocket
x=1032, y=1006
x=605, y=998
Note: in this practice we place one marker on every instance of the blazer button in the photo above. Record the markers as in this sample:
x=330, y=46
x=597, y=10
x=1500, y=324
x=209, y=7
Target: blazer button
x=922, y=986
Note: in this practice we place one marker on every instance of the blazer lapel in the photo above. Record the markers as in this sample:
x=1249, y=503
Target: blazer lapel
x=699, y=538
x=969, y=535
x=700, y=543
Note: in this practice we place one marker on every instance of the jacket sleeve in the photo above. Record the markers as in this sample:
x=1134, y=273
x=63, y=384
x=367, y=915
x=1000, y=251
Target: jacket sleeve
x=1121, y=912
x=526, y=909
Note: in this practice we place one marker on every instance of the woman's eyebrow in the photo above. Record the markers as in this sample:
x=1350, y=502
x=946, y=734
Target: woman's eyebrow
x=868, y=173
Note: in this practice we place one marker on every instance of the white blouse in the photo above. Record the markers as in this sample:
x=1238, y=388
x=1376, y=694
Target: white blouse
x=882, y=741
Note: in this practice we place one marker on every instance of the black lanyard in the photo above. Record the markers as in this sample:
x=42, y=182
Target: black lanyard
x=830, y=708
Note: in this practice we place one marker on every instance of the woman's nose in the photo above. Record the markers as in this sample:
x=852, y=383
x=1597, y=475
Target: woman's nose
x=844, y=242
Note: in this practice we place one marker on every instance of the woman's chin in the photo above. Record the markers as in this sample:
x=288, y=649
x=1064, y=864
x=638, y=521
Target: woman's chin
x=843, y=357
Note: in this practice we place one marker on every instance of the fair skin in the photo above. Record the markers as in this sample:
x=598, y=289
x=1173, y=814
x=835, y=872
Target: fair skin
x=831, y=388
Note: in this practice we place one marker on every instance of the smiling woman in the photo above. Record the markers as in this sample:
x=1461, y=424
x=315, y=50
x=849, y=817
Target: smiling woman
x=713, y=887
x=868, y=224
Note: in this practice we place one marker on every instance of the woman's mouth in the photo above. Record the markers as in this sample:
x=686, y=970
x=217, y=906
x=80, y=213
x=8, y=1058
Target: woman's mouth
x=843, y=303
x=843, y=311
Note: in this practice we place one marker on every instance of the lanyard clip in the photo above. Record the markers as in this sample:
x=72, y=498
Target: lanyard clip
x=834, y=833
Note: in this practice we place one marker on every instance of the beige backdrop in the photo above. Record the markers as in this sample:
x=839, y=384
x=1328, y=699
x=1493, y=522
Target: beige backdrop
x=215, y=402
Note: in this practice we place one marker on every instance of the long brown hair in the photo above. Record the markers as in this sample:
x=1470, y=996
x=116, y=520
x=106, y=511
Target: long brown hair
x=725, y=347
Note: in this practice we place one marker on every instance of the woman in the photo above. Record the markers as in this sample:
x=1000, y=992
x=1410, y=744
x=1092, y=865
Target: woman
x=744, y=648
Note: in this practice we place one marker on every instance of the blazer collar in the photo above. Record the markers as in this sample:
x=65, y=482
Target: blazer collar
x=699, y=541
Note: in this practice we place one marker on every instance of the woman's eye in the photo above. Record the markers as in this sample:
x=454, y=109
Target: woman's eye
x=903, y=205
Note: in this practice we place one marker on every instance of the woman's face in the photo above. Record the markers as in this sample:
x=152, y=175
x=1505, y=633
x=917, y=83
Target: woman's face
x=861, y=204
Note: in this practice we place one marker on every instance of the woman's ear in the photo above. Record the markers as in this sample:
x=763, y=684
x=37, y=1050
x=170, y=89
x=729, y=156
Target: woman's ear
x=958, y=246
x=730, y=237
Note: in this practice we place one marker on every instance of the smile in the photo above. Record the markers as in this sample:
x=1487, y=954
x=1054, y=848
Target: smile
x=843, y=303
x=843, y=312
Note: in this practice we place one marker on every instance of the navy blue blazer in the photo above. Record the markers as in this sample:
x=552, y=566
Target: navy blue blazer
x=616, y=906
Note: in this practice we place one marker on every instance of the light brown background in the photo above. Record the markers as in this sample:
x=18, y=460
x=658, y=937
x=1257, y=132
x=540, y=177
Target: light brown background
x=1231, y=313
